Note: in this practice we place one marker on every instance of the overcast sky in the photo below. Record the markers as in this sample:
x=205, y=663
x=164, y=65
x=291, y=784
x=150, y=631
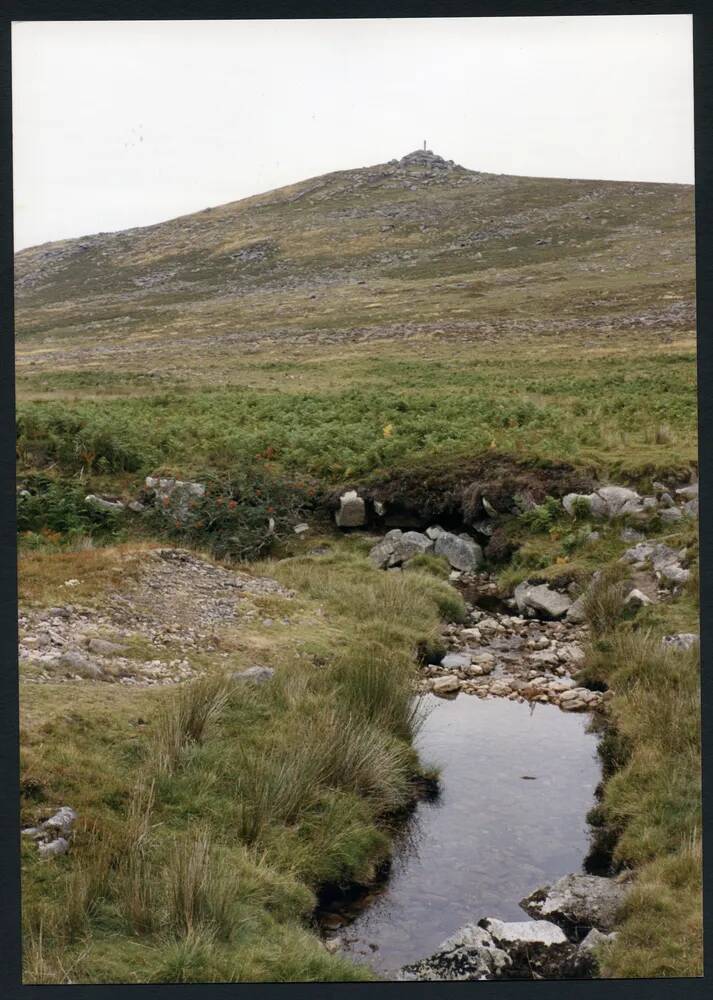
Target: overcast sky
x=120, y=124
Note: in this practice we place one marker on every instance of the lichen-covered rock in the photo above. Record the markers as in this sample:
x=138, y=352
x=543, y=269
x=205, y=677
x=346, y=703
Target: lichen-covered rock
x=469, y=954
x=576, y=903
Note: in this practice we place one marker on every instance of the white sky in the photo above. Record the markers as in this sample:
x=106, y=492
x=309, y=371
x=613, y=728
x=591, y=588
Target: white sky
x=121, y=123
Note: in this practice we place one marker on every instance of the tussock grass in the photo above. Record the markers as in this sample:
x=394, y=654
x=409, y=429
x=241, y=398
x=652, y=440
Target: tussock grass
x=183, y=720
x=652, y=799
x=212, y=823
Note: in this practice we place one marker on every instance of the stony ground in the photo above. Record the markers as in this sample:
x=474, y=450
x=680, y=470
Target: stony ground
x=177, y=609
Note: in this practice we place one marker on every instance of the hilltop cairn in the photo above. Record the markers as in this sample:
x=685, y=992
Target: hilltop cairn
x=423, y=159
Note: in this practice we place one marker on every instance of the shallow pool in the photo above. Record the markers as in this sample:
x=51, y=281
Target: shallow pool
x=517, y=781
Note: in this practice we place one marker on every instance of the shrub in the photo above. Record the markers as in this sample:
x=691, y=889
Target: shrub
x=239, y=516
x=57, y=506
x=542, y=517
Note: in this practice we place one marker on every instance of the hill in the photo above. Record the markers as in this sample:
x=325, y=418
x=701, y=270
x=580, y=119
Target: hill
x=415, y=246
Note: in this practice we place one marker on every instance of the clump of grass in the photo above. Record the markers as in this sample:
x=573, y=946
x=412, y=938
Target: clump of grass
x=604, y=598
x=426, y=562
x=137, y=889
x=376, y=686
x=198, y=886
x=183, y=720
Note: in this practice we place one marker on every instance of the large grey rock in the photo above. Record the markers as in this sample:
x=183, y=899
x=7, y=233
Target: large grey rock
x=607, y=501
x=408, y=545
x=352, y=510
x=576, y=612
x=541, y=600
x=382, y=553
x=78, y=663
x=669, y=515
x=469, y=954
x=461, y=552
x=620, y=500
x=577, y=903
x=102, y=647
x=62, y=821
x=690, y=508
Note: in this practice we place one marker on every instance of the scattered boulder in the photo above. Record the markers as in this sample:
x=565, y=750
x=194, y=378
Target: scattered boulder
x=103, y=647
x=352, y=510
x=101, y=504
x=576, y=903
x=53, y=848
x=77, y=662
x=637, y=599
x=407, y=545
x=688, y=492
x=540, y=600
x=301, y=529
x=253, y=675
x=593, y=503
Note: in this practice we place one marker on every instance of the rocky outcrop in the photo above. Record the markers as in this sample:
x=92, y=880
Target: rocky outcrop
x=618, y=501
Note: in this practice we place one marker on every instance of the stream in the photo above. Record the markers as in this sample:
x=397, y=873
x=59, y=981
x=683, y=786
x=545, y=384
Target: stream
x=516, y=783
